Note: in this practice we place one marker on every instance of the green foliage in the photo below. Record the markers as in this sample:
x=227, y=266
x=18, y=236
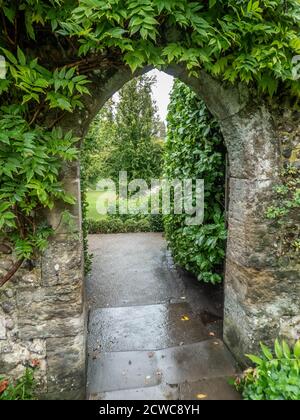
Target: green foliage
x=31, y=159
x=126, y=224
x=124, y=137
x=88, y=257
x=99, y=146
x=121, y=223
x=195, y=150
x=23, y=389
x=237, y=40
x=32, y=155
x=137, y=149
x=284, y=212
x=275, y=377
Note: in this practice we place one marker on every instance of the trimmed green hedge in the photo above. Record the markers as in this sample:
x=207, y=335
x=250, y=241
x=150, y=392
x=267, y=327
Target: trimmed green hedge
x=195, y=149
x=125, y=224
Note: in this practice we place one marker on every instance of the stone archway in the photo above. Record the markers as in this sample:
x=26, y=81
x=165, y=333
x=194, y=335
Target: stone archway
x=47, y=304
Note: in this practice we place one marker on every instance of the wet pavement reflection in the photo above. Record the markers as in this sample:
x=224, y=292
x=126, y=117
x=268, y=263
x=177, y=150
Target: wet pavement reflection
x=154, y=332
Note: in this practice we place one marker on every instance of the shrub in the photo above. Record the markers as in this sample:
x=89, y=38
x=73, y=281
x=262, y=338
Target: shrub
x=156, y=223
x=195, y=149
x=22, y=389
x=275, y=377
x=126, y=224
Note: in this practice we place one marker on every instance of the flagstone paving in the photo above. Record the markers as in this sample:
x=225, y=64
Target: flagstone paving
x=154, y=331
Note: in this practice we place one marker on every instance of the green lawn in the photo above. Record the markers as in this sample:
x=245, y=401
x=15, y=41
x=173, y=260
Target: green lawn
x=94, y=196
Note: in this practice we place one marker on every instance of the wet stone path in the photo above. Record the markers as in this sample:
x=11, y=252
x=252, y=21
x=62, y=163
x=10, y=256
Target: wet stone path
x=154, y=332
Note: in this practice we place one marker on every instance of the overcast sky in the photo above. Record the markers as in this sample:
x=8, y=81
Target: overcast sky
x=161, y=92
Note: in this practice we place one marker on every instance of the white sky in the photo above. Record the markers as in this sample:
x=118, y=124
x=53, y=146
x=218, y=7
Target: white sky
x=161, y=92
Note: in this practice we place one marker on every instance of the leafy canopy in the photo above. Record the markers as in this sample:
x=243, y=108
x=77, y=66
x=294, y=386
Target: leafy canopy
x=236, y=40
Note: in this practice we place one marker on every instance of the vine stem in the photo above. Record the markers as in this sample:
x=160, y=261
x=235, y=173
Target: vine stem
x=11, y=272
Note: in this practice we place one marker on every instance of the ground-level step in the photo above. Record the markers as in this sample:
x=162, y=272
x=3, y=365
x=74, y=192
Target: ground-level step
x=150, y=327
x=216, y=389
x=172, y=366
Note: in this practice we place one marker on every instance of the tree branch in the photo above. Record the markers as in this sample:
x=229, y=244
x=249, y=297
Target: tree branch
x=11, y=272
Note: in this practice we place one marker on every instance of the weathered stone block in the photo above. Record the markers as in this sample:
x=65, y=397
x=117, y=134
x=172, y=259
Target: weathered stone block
x=66, y=365
x=290, y=328
x=2, y=328
x=5, y=347
x=252, y=144
x=49, y=303
x=62, y=263
x=251, y=237
x=51, y=328
x=255, y=286
x=29, y=278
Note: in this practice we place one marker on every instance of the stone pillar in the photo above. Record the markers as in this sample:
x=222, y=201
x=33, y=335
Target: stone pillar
x=42, y=314
x=262, y=293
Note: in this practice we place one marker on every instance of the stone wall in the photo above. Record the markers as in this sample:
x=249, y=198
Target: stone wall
x=288, y=129
x=42, y=318
x=262, y=291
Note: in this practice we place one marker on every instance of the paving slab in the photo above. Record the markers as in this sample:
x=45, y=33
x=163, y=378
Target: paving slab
x=153, y=393
x=216, y=389
x=208, y=359
x=130, y=269
x=122, y=370
x=150, y=327
x=171, y=366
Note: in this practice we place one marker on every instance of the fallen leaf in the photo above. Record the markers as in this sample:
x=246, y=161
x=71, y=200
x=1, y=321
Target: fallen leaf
x=185, y=318
x=35, y=363
x=3, y=385
x=201, y=396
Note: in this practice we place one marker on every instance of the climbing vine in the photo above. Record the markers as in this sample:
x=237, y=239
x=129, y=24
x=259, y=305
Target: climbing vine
x=284, y=213
x=51, y=47
x=195, y=150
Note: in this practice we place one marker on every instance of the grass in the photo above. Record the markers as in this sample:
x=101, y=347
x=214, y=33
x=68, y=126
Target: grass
x=92, y=198
x=116, y=223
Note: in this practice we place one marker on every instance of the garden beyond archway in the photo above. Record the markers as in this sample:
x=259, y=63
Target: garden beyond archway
x=44, y=303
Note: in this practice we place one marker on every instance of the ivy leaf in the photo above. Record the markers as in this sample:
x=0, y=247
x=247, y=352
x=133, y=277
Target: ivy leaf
x=10, y=13
x=134, y=59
